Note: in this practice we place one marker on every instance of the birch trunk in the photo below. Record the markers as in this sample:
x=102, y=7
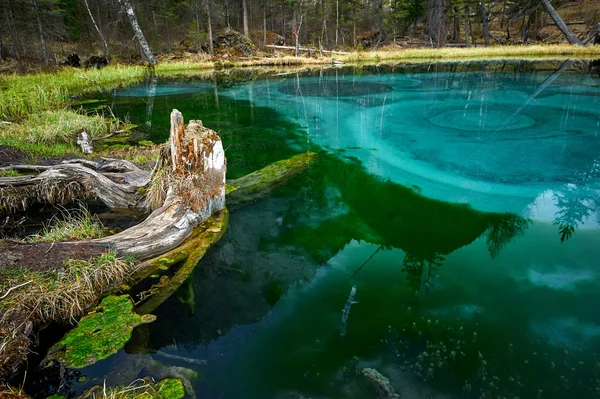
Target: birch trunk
x=98, y=30
x=145, y=47
x=561, y=25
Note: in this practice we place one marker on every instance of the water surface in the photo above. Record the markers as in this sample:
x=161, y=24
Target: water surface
x=461, y=200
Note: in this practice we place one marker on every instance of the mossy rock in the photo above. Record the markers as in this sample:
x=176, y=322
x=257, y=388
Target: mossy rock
x=101, y=333
x=170, y=388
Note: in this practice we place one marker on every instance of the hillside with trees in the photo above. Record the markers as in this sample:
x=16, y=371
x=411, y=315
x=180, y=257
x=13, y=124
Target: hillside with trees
x=49, y=30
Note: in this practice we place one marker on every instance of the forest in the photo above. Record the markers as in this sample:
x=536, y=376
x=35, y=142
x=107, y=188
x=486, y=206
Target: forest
x=49, y=30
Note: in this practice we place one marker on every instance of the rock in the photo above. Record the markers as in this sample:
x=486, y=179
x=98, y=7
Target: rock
x=380, y=384
x=100, y=334
x=229, y=43
x=272, y=37
x=96, y=62
x=73, y=60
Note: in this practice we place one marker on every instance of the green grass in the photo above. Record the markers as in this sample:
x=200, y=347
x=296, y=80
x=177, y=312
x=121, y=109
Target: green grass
x=37, y=104
x=23, y=95
x=76, y=225
x=54, y=133
x=8, y=173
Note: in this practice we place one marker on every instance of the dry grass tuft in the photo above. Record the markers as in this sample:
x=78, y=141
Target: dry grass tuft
x=49, y=190
x=562, y=51
x=28, y=298
x=62, y=294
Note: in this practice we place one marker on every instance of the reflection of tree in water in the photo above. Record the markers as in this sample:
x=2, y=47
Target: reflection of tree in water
x=503, y=231
x=575, y=204
x=420, y=270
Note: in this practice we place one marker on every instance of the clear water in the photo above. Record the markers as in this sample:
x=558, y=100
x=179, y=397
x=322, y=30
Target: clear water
x=460, y=200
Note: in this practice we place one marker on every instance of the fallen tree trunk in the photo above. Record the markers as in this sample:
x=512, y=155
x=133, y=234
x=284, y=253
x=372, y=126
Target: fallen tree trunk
x=185, y=194
x=273, y=46
x=561, y=25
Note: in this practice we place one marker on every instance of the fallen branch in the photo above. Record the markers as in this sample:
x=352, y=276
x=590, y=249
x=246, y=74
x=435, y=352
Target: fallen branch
x=14, y=288
x=108, y=135
x=273, y=46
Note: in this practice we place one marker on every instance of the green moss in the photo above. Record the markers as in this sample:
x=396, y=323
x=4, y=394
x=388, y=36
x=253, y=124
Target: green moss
x=8, y=173
x=230, y=188
x=56, y=396
x=260, y=183
x=170, y=388
x=101, y=333
x=145, y=143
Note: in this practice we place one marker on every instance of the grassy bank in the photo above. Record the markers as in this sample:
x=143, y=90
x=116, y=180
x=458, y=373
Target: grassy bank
x=43, y=125
x=478, y=53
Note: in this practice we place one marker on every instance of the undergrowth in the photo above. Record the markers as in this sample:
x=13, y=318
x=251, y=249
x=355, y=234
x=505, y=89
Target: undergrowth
x=72, y=225
x=61, y=294
x=54, y=133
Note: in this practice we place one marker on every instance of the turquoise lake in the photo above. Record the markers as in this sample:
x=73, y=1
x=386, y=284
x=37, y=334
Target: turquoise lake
x=461, y=200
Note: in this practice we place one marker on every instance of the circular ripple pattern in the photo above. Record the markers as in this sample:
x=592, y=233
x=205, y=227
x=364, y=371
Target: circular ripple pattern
x=481, y=121
x=332, y=88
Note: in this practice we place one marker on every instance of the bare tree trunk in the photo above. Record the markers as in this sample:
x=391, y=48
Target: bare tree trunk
x=467, y=26
x=1, y=46
x=437, y=22
x=337, y=21
x=264, y=23
x=169, y=41
x=245, y=15
x=41, y=32
x=102, y=40
x=503, y=14
x=210, y=33
x=297, y=35
x=486, y=32
x=145, y=47
x=10, y=23
x=456, y=33
x=227, y=16
x=198, y=27
x=559, y=22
